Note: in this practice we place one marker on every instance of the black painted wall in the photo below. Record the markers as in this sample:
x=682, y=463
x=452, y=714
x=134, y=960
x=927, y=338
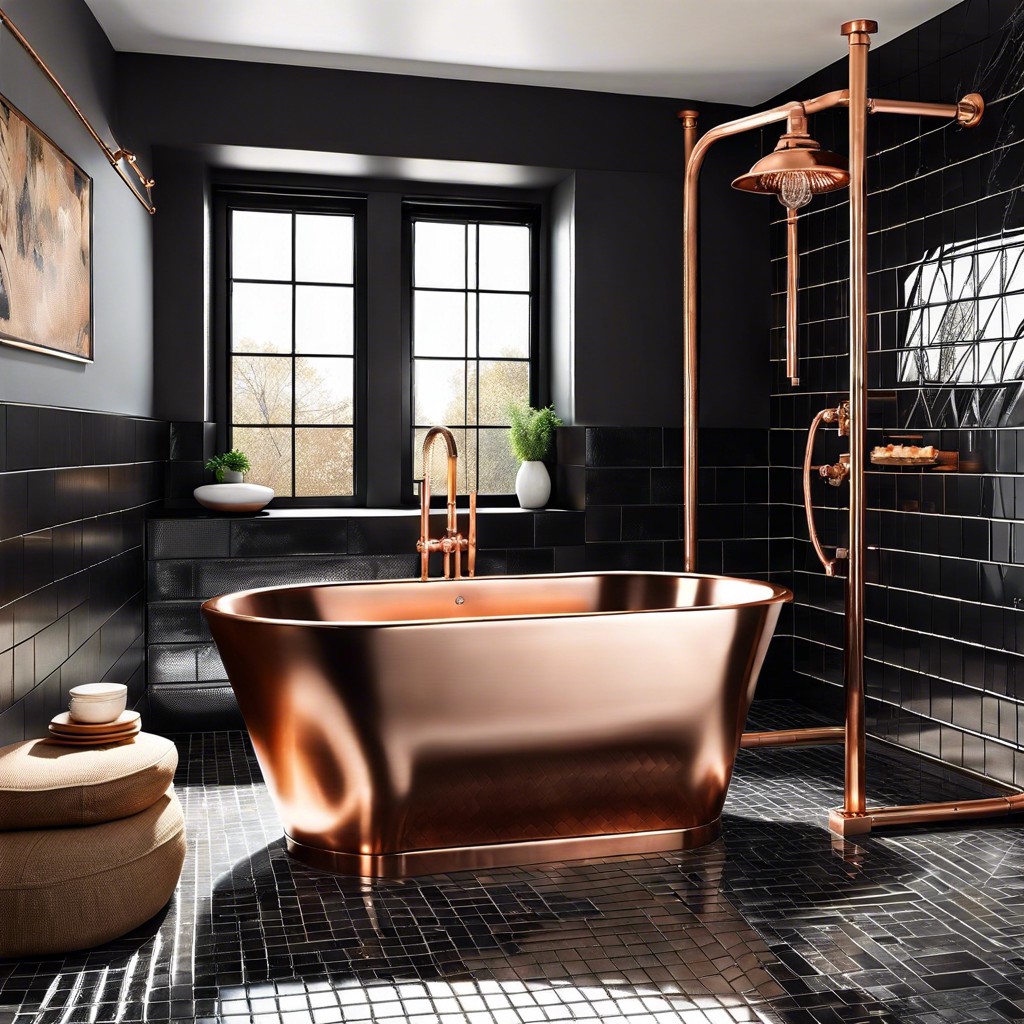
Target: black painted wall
x=120, y=379
x=614, y=164
x=75, y=488
x=945, y=672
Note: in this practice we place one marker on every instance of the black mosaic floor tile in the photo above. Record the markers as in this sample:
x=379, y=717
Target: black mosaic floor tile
x=777, y=922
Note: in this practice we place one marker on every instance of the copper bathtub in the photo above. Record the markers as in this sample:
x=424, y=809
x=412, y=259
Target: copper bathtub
x=407, y=728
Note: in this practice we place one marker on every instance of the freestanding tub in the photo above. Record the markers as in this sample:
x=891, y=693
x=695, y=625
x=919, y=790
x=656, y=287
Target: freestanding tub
x=407, y=728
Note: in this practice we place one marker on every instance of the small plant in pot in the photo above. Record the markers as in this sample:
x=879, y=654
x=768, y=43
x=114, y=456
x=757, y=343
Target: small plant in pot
x=530, y=435
x=229, y=467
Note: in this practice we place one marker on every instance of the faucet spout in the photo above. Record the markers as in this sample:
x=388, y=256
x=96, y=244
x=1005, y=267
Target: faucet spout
x=453, y=542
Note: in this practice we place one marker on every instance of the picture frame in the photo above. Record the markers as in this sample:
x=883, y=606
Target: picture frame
x=46, y=295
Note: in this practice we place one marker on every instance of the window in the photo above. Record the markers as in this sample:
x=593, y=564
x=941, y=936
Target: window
x=473, y=326
x=347, y=325
x=292, y=340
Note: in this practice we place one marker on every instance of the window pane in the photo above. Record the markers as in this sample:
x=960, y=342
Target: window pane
x=440, y=255
x=505, y=325
x=439, y=323
x=323, y=461
x=440, y=392
x=261, y=317
x=270, y=453
x=505, y=257
x=323, y=248
x=324, y=320
x=323, y=390
x=498, y=466
x=500, y=385
x=261, y=245
x=439, y=461
x=261, y=389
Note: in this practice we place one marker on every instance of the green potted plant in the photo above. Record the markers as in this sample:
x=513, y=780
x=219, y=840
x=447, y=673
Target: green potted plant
x=531, y=432
x=229, y=467
x=229, y=493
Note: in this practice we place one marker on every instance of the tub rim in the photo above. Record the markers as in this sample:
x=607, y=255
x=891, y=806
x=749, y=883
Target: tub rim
x=209, y=607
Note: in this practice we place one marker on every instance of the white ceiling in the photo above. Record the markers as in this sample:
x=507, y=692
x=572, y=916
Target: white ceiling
x=737, y=51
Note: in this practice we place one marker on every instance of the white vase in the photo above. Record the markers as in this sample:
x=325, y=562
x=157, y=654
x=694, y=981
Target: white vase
x=533, y=485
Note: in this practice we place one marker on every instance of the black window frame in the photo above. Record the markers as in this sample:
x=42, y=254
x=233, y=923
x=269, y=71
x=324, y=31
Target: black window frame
x=381, y=378
x=286, y=199
x=470, y=211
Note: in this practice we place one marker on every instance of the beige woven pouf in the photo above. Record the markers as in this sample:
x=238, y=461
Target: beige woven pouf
x=71, y=888
x=92, y=842
x=43, y=785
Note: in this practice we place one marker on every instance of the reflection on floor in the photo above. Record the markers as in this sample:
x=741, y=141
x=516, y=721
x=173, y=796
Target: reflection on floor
x=774, y=923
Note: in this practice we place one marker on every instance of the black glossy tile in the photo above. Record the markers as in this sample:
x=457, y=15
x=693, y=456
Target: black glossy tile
x=72, y=560
x=603, y=523
x=22, y=437
x=513, y=529
x=258, y=537
x=189, y=538
x=652, y=522
x=624, y=486
x=390, y=534
x=623, y=446
x=555, y=529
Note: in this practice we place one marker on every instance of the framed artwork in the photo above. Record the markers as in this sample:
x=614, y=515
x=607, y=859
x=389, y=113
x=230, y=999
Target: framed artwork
x=45, y=243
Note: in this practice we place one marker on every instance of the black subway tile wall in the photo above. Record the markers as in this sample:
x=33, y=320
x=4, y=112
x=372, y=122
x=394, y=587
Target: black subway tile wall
x=628, y=481
x=75, y=488
x=194, y=556
x=945, y=632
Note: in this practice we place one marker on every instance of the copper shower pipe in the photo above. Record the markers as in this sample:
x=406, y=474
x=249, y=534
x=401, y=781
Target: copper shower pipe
x=853, y=818
x=858, y=35
x=690, y=289
x=792, y=283
x=113, y=156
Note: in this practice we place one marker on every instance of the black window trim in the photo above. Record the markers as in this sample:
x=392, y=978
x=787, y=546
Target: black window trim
x=302, y=200
x=441, y=200
x=472, y=211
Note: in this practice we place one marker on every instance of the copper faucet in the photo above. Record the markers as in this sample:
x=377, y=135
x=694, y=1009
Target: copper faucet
x=452, y=542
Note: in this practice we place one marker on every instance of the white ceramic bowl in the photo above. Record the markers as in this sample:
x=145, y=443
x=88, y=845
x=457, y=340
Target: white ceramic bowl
x=97, y=703
x=233, y=497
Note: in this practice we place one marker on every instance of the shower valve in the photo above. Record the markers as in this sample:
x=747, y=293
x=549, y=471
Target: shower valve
x=835, y=474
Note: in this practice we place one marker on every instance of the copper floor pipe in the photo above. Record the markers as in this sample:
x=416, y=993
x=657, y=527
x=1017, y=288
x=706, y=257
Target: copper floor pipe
x=814, y=737
x=924, y=814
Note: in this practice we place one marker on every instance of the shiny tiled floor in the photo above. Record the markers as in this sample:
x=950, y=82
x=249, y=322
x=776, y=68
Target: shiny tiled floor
x=775, y=923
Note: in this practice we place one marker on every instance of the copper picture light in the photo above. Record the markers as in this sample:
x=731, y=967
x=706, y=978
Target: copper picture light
x=114, y=156
x=797, y=170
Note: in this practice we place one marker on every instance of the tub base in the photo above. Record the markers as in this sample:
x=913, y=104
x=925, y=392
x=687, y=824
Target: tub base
x=411, y=863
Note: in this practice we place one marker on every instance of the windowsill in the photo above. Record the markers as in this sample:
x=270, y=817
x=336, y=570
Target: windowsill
x=197, y=512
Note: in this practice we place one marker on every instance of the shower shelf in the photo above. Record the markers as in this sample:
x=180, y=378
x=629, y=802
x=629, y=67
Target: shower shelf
x=943, y=462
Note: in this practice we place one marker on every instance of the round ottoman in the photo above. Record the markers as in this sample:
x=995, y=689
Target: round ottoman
x=43, y=785
x=92, y=844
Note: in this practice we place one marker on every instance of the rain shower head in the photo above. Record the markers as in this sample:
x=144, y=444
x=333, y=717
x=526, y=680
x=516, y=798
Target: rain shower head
x=797, y=170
